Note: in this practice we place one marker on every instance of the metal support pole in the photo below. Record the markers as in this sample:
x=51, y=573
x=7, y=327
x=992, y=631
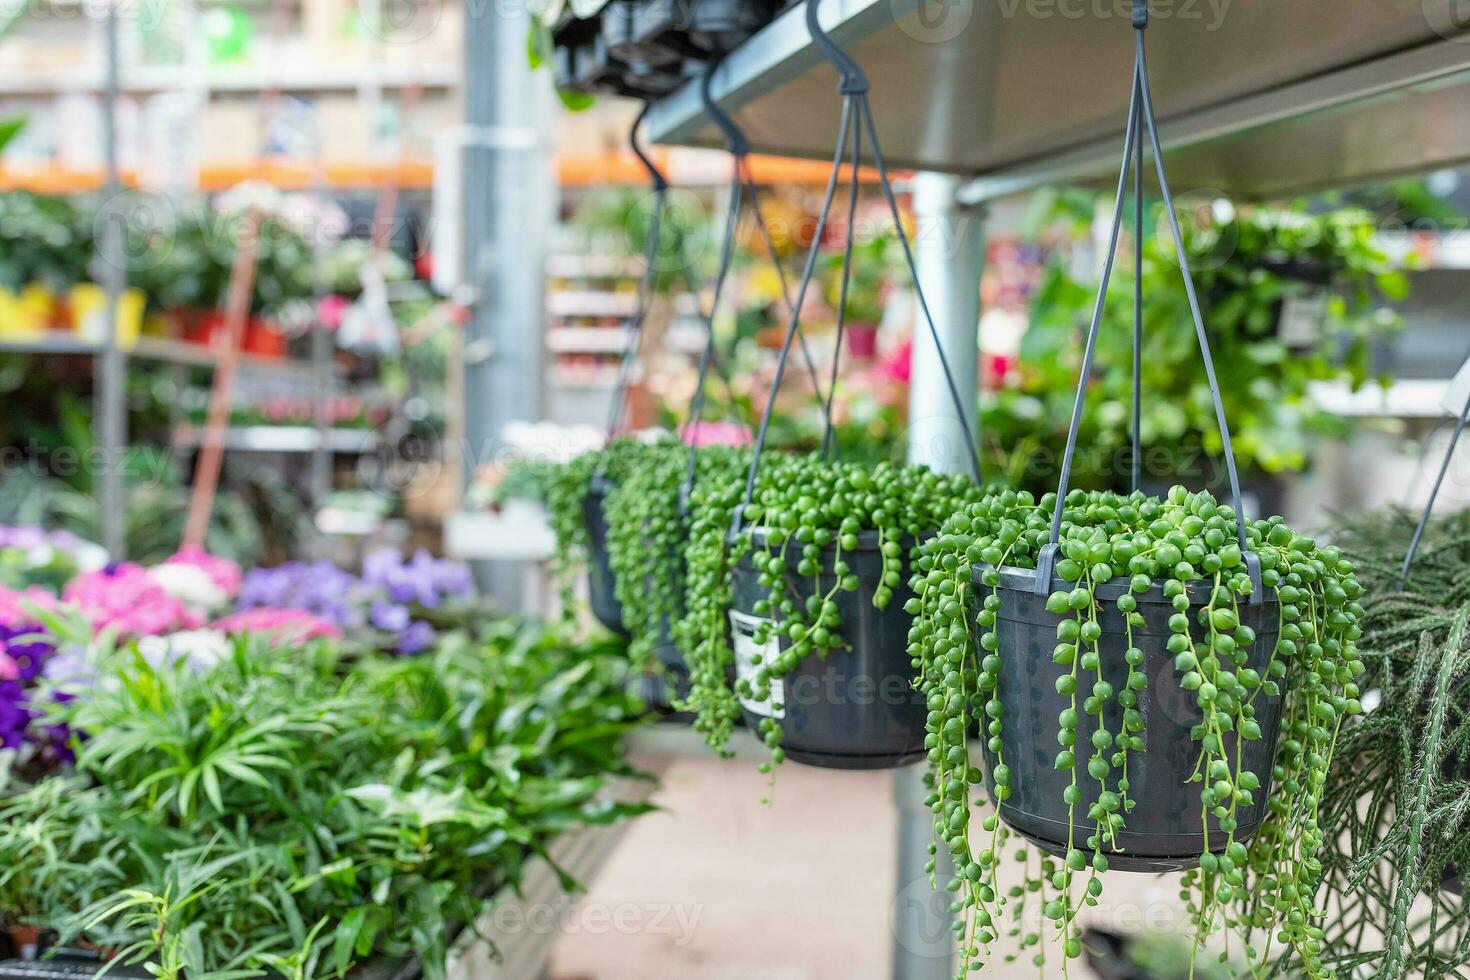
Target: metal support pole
x=321, y=380
x=949, y=252
x=510, y=207
x=110, y=419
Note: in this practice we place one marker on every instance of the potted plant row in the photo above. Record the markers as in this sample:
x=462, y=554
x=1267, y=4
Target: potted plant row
x=295, y=809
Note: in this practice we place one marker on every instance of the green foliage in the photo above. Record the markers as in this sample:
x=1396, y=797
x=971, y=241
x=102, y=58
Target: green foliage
x=807, y=512
x=288, y=812
x=257, y=517
x=566, y=487
x=43, y=239
x=1399, y=792
x=872, y=267
x=186, y=262
x=1263, y=885
x=647, y=533
x=1245, y=267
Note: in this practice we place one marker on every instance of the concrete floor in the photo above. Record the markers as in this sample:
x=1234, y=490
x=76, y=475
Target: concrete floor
x=719, y=886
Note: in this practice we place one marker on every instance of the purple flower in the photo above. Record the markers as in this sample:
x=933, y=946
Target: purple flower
x=417, y=638
x=26, y=653
x=317, y=587
x=422, y=580
x=388, y=616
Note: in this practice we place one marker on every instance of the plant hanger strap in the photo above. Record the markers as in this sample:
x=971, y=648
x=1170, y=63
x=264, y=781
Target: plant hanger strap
x=645, y=282
x=737, y=144
x=1444, y=468
x=709, y=355
x=857, y=117
x=1141, y=116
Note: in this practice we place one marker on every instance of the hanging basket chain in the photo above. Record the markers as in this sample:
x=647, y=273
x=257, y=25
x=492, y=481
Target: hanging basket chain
x=857, y=116
x=1141, y=117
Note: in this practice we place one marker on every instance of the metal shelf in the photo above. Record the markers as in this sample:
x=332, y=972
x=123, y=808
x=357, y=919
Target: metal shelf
x=148, y=79
x=1267, y=99
x=147, y=348
x=283, y=439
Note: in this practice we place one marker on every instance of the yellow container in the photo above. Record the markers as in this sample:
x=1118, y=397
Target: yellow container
x=89, y=314
x=27, y=313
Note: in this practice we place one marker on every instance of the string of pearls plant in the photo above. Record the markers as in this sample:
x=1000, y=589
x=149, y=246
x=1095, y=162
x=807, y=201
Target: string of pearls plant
x=806, y=511
x=1263, y=887
x=566, y=495
x=647, y=534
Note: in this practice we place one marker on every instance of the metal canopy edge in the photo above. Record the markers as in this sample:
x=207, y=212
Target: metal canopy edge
x=1368, y=94
x=1274, y=99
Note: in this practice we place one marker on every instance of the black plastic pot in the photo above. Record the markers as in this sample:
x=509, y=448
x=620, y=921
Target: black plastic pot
x=857, y=708
x=623, y=31
x=718, y=26
x=601, y=585
x=695, y=28
x=1164, y=831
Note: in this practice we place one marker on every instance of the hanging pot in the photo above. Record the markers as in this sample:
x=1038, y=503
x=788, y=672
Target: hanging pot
x=696, y=28
x=1164, y=832
x=624, y=32
x=603, y=595
x=601, y=585
x=718, y=26
x=857, y=708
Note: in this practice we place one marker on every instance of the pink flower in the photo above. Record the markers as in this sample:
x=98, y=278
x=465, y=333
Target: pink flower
x=716, y=434
x=895, y=365
x=9, y=669
x=13, y=613
x=224, y=573
x=126, y=598
x=331, y=309
x=287, y=625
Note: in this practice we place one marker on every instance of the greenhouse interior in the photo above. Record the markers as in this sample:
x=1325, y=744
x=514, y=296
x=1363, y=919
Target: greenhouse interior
x=525, y=491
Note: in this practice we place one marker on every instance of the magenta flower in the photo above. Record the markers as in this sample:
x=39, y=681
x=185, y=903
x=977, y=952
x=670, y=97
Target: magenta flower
x=285, y=625
x=716, y=434
x=13, y=612
x=126, y=598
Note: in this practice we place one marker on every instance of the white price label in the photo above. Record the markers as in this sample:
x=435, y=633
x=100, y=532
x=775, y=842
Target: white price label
x=749, y=655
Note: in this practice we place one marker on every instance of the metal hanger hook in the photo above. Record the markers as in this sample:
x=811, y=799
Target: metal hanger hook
x=735, y=140
x=660, y=182
x=854, y=79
